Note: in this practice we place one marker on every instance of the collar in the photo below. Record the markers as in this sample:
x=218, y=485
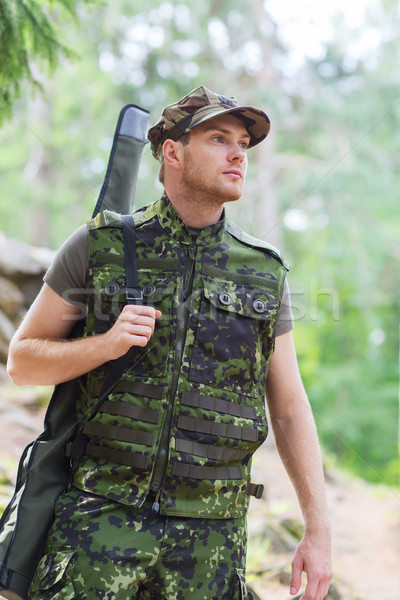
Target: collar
x=173, y=224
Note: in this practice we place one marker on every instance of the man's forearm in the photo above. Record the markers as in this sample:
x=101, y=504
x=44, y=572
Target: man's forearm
x=298, y=446
x=48, y=362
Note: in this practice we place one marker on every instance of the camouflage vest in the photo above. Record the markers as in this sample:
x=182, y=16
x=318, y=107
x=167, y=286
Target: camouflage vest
x=189, y=412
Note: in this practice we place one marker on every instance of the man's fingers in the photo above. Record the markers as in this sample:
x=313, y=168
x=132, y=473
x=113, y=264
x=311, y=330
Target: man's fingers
x=138, y=319
x=322, y=590
x=134, y=327
x=134, y=311
x=317, y=587
x=295, y=580
x=323, y=587
x=137, y=340
x=142, y=330
x=311, y=590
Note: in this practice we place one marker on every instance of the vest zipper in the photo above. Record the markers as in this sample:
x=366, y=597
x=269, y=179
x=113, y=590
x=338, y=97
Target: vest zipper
x=183, y=316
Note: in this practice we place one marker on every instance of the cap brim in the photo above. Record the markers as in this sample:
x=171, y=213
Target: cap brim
x=255, y=120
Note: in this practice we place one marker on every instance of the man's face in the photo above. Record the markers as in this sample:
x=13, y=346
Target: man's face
x=215, y=161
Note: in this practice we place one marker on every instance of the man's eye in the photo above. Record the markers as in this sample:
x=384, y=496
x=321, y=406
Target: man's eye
x=219, y=139
x=244, y=145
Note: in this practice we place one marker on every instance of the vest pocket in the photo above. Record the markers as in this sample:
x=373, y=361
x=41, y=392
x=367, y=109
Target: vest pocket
x=51, y=576
x=234, y=336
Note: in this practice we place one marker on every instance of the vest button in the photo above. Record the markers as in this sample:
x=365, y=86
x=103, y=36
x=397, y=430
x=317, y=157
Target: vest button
x=225, y=299
x=149, y=290
x=259, y=306
x=111, y=288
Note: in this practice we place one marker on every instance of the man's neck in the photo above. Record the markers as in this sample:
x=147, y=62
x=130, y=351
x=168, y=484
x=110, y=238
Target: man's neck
x=195, y=214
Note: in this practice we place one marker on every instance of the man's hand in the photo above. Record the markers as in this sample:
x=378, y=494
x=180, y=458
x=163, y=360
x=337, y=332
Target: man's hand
x=41, y=353
x=134, y=327
x=313, y=556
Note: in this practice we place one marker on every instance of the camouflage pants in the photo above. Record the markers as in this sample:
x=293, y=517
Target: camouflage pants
x=97, y=548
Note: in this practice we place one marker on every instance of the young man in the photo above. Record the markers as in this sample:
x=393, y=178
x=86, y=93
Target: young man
x=159, y=497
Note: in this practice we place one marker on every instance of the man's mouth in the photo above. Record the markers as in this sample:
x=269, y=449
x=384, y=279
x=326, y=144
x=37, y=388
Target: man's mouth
x=234, y=173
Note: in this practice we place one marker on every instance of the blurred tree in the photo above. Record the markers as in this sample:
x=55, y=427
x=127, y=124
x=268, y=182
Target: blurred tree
x=342, y=226
x=30, y=39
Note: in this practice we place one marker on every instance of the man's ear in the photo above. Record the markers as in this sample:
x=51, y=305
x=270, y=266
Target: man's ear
x=173, y=152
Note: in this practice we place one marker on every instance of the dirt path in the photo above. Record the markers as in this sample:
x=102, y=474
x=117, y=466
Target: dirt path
x=365, y=518
x=365, y=531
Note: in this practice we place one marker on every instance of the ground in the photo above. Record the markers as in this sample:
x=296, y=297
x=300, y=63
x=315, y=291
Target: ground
x=365, y=518
x=365, y=531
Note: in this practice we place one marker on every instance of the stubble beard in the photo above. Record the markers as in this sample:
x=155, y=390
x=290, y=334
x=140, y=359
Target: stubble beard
x=203, y=192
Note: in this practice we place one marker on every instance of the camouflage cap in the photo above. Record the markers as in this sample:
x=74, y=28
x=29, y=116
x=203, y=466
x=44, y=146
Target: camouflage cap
x=201, y=105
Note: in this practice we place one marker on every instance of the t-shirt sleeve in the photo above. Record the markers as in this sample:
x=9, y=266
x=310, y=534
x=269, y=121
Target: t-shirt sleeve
x=67, y=274
x=285, y=321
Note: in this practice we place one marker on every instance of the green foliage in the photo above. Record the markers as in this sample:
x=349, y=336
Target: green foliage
x=30, y=39
x=359, y=424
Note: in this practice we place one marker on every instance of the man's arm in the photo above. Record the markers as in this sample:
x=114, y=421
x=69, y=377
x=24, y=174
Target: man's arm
x=297, y=442
x=41, y=354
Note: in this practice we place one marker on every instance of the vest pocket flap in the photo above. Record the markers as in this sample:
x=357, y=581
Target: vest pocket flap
x=109, y=282
x=153, y=287
x=243, y=299
x=51, y=569
x=156, y=286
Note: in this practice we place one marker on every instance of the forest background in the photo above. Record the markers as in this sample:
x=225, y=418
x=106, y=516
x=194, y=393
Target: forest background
x=322, y=187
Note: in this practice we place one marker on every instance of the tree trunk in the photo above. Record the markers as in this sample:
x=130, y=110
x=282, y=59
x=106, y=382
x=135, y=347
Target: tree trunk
x=266, y=209
x=266, y=212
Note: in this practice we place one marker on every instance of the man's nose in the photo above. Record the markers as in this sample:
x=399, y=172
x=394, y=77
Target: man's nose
x=237, y=152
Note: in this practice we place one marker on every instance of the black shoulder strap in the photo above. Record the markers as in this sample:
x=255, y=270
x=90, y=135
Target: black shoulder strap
x=76, y=449
x=133, y=293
